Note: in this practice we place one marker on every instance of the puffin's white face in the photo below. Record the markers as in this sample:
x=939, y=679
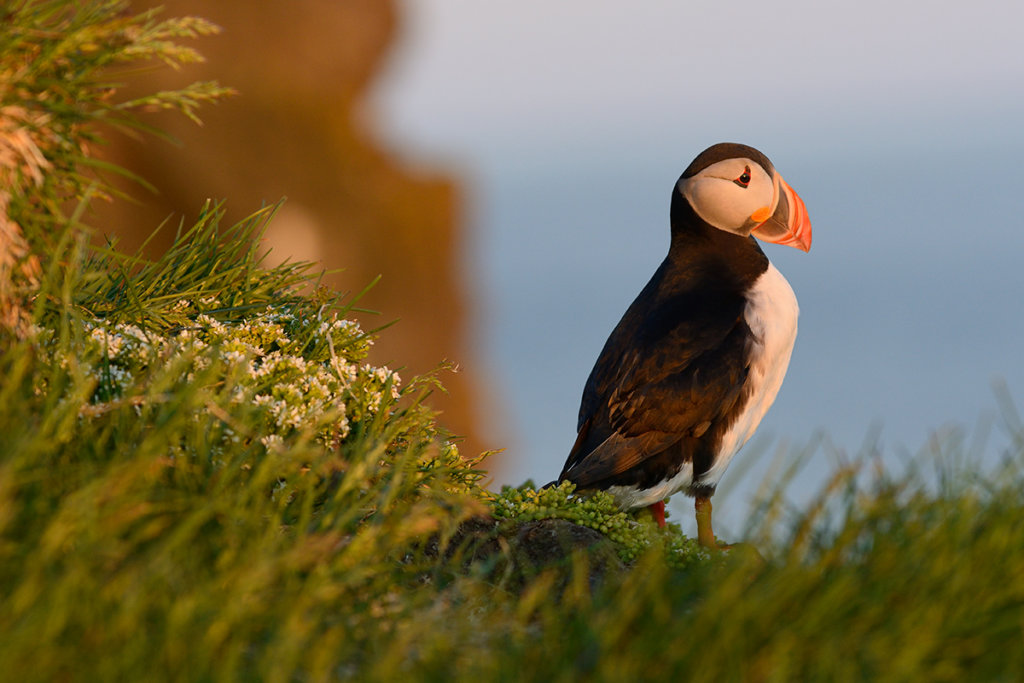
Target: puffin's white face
x=734, y=195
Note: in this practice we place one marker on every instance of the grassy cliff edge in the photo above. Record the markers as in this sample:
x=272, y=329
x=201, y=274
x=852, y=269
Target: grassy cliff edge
x=201, y=477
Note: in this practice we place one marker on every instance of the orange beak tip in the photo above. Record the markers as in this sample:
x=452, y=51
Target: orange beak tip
x=799, y=220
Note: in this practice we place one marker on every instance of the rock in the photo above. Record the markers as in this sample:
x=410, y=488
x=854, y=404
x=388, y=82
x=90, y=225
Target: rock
x=515, y=556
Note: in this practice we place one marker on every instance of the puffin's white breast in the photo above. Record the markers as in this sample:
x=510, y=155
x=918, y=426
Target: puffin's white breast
x=771, y=314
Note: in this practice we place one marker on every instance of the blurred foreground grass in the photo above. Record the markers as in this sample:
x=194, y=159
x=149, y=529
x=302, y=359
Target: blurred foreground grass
x=202, y=479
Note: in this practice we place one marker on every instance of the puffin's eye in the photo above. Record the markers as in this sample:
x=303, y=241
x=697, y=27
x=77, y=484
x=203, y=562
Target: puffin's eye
x=744, y=179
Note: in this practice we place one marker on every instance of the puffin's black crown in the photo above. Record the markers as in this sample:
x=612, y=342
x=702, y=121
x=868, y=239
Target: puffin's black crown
x=723, y=151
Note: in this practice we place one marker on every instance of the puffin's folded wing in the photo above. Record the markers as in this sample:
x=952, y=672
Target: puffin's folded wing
x=652, y=403
x=615, y=455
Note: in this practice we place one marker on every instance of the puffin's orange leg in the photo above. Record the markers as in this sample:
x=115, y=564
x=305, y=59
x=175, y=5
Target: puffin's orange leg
x=658, y=511
x=705, y=536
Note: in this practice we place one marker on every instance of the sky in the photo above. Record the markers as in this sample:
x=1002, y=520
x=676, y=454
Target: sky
x=898, y=123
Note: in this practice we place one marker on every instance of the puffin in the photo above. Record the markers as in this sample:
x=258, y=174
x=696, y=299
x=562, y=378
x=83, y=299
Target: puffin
x=697, y=359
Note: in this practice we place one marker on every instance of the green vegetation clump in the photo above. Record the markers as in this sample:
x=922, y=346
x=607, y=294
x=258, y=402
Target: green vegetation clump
x=634, y=532
x=202, y=478
x=296, y=358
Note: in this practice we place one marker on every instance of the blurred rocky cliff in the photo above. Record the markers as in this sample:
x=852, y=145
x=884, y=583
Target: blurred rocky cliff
x=301, y=128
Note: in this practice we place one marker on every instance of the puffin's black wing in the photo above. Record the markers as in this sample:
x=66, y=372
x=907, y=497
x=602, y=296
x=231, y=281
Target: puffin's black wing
x=668, y=373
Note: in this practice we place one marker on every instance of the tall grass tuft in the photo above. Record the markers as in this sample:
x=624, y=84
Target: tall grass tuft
x=191, y=483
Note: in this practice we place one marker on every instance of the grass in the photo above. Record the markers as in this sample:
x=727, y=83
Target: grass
x=201, y=478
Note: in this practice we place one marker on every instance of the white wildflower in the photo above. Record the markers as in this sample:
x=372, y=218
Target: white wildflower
x=272, y=442
x=235, y=357
x=110, y=343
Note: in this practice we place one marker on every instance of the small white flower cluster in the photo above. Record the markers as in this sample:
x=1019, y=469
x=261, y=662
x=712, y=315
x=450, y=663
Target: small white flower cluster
x=304, y=374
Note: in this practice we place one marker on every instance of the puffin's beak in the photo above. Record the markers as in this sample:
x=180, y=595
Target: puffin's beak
x=790, y=224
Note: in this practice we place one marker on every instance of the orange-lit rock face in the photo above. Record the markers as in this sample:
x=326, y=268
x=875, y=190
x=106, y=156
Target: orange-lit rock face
x=299, y=129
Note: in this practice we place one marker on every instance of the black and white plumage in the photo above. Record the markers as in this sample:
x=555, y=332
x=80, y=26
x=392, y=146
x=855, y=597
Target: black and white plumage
x=697, y=359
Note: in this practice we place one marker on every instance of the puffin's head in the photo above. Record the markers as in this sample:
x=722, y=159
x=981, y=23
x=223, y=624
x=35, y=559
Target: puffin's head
x=735, y=188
